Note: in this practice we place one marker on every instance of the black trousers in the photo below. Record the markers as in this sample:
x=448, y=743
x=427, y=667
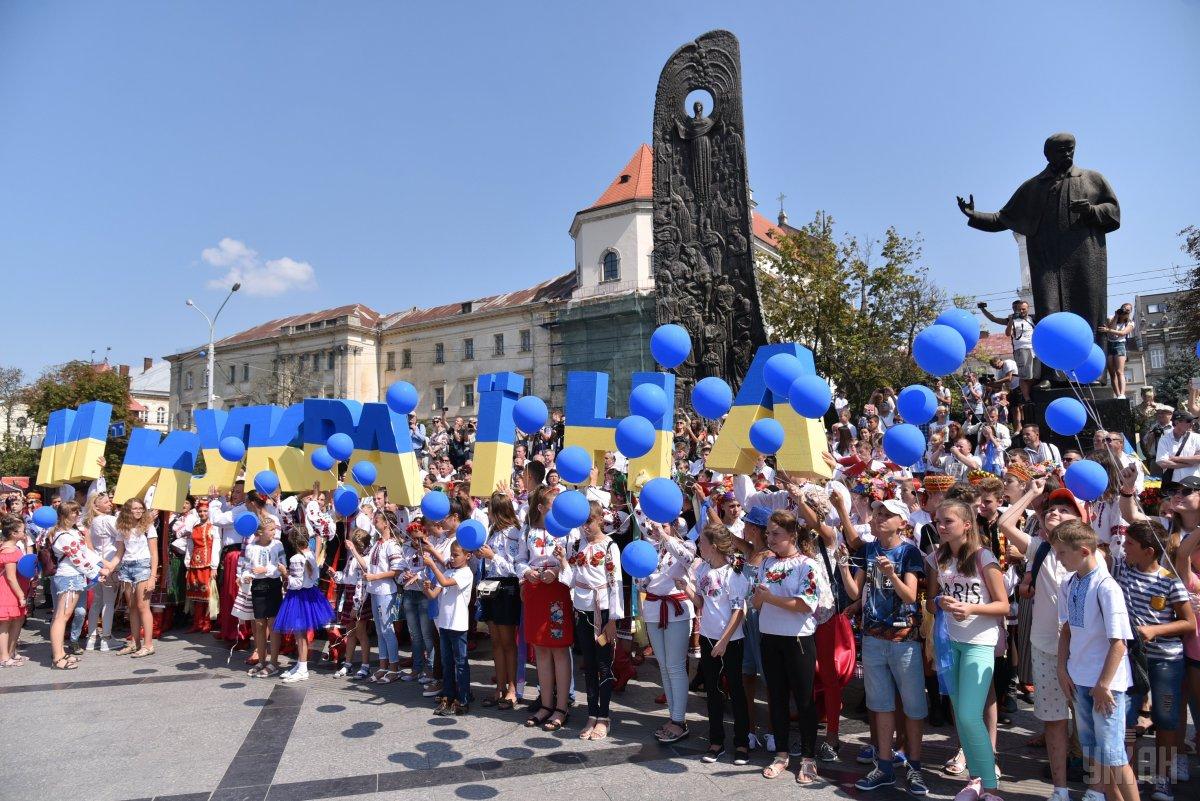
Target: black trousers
x=713, y=668
x=596, y=662
x=790, y=665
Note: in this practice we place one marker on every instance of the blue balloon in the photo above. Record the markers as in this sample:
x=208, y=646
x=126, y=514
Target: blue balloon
x=639, y=559
x=670, y=345
x=810, y=396
x=340, y=446
x=1198, y=349
x=661, y=500
x=530, y=413
x=1088, y=480
x=246, y=524
x=712, y=398
x=402, y=397
x=781, y=371
x=28, y=566
x=1092, y=367
x=571, y=508
x=939, y=350
x=364, y=473
x=266, y=482
x=555, y=528
x=435, y=505
x=635, y=436
x=1066, y=416
x=471, y=535
x=45, y=517
x=345, y=501
x=1063, y=340
x=917, y=404
x=649, y=401
x=574, y=464
x=964, y=323
x=231, y=449
x=321, y=459
x=767, y=435
x=904, y=444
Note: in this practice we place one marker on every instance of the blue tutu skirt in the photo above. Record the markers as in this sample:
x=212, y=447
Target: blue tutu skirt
x=303, y=610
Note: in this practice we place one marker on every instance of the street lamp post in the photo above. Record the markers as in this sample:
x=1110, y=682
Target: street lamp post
x=212, y=325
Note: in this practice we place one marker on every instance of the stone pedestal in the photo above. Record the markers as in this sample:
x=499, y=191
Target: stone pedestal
x=1116, y=414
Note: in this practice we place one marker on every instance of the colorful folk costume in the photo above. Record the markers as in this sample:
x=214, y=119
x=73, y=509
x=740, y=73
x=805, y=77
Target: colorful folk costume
x=304, y=608
x=548, y=617
x=201, y=586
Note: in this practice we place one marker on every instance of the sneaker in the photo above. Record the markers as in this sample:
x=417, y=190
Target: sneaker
x=362, y=673
x=409, y=675
x=1060, y=794
x=866, y=755
x=1182, y=772
x=971, y=791
x=294, y=667
x=458, y=709
x=899, y=760
x=343, y=671
x=75, y=648
x=425, y=678
x=916, y=782
x=1162, y=790
x=443, y=707
x=432, y=690
x=91, y=642
x=712, y=756
x=770, y=743
x=826, y=752
x=294, y=676
x=876, y=779
x=104, y=644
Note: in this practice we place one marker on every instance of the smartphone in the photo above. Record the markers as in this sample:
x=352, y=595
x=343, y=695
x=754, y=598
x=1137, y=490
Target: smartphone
x=602, y=640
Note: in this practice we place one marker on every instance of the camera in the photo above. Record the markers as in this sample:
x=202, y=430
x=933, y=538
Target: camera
x=982, y=304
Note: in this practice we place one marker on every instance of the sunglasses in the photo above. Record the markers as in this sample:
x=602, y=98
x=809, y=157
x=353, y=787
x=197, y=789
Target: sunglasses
x=1182, y=492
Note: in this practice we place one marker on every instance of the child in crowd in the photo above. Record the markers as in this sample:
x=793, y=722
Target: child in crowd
x=380, y=566
x=304, y=608
x=13, y=596
x=137, y=555
x=548, y=616
x=354, y=609
x=261, y=568
x=452, y=589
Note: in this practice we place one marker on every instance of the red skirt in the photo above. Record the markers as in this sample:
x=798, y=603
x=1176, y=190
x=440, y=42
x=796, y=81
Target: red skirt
x=197, y=583
x=548, y=614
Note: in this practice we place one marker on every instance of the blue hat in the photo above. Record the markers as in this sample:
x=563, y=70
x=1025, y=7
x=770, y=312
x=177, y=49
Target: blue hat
x=757, y=516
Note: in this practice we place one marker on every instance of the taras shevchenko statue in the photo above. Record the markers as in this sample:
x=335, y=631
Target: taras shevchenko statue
x=1064, y=212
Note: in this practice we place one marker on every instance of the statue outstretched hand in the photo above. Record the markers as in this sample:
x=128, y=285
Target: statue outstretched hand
x=967, y=206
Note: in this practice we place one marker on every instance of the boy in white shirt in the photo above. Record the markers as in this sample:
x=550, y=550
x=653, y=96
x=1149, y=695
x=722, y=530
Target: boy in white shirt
x=1093, y=667
x=452, y=589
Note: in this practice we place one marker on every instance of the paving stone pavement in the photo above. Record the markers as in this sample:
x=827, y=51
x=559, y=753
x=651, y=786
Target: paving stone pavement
x=188, y=725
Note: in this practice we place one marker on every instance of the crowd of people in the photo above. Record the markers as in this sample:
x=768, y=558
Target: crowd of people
x=955, y=586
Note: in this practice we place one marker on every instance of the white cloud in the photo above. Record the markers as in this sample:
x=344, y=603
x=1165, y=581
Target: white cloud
x=257, y=277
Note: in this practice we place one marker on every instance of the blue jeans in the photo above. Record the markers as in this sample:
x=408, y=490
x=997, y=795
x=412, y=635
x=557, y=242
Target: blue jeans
x=420, y=629
x=671, y=649
x=456, y=671
x=389, y=650
x=891, y=667
x=1166, y=694
x=1101, y=737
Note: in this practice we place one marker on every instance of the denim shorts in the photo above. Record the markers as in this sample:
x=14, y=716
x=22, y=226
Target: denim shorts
x=75, y=583
x=1167, y=700
x=134, y=571
x=889, y=667
x=1115, y=348
x=1102, y=737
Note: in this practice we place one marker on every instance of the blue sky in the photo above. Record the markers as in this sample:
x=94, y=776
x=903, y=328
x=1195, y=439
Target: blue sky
x=406, y=154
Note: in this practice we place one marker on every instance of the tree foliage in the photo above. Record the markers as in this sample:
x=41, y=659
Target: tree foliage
x=1181, y=367
x=11, y=386
x=1187, y=307
x=858, y=311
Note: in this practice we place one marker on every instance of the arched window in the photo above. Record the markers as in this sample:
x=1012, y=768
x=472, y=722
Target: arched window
x=161, y=416
x=611, y=267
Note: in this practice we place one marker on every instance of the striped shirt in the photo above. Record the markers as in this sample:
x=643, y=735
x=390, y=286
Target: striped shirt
x=1151, y=598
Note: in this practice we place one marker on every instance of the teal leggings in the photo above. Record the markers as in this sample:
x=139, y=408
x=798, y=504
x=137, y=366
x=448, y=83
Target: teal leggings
x=973, y=671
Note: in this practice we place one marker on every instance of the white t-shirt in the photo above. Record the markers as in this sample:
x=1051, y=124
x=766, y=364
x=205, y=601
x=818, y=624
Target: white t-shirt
x=383, y=557
x=1022, y=330
x=452, y=603
x=723, y=591
x=299, y=577
x=1169, y=444
x=104, y=536
x=976, y=629
x=1094, y=606
x=75, y=557
x=1044, y=623
x=137, y=545
x=794, y=577
x=256, y=555
x=1008, y=369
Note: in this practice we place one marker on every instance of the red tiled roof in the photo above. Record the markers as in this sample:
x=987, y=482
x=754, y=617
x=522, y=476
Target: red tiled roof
x=557, y=288
x=764, y=229
x=366, y=315
x=992, y=345
x=134, y=406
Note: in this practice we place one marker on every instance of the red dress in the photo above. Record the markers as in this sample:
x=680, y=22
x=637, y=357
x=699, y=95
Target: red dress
x=9, y=609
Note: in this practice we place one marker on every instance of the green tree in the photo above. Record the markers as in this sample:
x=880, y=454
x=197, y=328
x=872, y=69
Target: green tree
x=70, y=385
x=11, y=386
x=1181, y=367
x=1187, y=307
x=858, y=312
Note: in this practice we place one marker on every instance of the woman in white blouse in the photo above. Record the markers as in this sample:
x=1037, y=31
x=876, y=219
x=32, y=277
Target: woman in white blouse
x=102, y=534
x=137, y=555
x=503, y=558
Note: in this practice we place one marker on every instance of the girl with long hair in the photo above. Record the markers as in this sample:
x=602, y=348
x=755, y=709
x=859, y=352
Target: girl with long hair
x=261, y=567
x=548, y=616
x=965, y=582
x=13, y=592
x=138, y=559
x=353, y=609
x=502, y=558
x=415, y=606
x=1117, y=330
x=77, y=565
x=304, y=608
x=380, y=567
x=102, y=536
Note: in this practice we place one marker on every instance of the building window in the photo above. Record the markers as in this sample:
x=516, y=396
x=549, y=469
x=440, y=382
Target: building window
x=439, y=356
x=391, y=360
x=329, y=361
x=160, y=416
x=204, y=379
x=469, y=394
x=188, y=381
x=439, y=398
x=406, y=358
x=468, y=349
x=498, y=345
x=303, y=362
x=1158, y=357
x=612, y=267
x=143, y=415
x=1154, y=308
x=245, y=372
x=232, y=373
x=526, y=341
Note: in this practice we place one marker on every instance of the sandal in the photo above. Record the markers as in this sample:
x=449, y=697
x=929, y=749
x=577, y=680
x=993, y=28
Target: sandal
x=584, y=734
x=669, y=737
x=377, y=675
x=776, y=768
x=599, y=733
x=555, y=725
x=807, y=774
x=142, y=653
x=127, y=650
x=7, y=663
x=488, y=702
x=64, y=663
x=505, y=704
x=534, y=720
x=956, y=764
x=389, y=677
